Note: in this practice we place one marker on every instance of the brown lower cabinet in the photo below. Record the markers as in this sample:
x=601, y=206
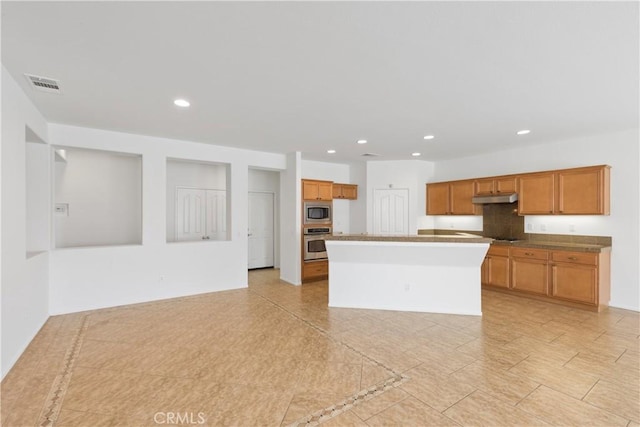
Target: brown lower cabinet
x=574, y=278
x=495, y=268
x=529, y=271
x=315, y=270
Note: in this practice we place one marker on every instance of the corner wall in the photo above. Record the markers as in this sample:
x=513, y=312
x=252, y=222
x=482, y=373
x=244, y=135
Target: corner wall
x=97, y=277
x=619, y=150
x=24, y=289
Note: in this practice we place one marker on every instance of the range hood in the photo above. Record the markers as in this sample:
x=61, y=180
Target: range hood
x=496, y=198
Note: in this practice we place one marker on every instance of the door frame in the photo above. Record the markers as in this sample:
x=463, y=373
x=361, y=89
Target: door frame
x=273, y=225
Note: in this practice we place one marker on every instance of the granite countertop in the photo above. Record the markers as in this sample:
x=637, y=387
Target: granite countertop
x=440, y=238
x=578, y=247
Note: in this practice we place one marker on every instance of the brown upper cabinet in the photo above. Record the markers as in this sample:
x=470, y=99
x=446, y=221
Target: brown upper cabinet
x=345, y=191
x=451, y=198
x=317, y=190
x=500, y=185
x=579, y=191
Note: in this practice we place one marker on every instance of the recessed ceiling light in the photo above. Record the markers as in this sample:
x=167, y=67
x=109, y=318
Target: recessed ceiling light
x=362, y=141
x=415, y=154
x=182, y=103
x=331, y=151
x=523, y=132
x=429, y=137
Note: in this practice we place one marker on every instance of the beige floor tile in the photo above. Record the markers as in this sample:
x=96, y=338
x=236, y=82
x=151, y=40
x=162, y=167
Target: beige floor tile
x=439, y=391
x=377, y=404
x=345, y=419
x=502, y=384
x=480, y=409
x=274, y=354
x=70, y=418
x=373, y=373
x=410, y=412
x=559, y=409
x=303, y=404
x=446, y=360
x=493, y=352
x=20, y=415
x=573, y=383
x=616, y=399
x=249, y=406
x=330, y=378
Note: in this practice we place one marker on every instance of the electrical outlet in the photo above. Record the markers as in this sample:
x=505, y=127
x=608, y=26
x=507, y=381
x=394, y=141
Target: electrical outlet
x=407, y=287
x=529, y=227
x=543, y=227
x=572, y=228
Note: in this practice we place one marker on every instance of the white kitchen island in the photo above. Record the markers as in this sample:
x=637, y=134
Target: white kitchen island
x=436, y=274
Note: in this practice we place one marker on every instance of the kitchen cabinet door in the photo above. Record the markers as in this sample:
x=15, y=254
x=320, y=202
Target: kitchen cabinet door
x=438, y=198
x=460, y=195
x=530, y=276
x=484, y=187
x=536, y=194
x=349, y=191
x=317, y=190
x=574, y=282
x=583, y=191
x=498, y=271
x=345, y=191
x=505, y=185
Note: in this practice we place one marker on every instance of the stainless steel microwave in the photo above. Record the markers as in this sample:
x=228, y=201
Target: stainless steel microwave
x=317, y=213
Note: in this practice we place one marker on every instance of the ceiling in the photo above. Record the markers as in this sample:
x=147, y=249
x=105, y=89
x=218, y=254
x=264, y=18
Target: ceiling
x=313, y=76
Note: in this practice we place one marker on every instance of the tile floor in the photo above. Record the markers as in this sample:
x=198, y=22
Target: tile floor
x=275, y=354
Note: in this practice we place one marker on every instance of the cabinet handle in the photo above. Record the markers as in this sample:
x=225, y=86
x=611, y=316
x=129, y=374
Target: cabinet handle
x=529, y=253
x=573, y=258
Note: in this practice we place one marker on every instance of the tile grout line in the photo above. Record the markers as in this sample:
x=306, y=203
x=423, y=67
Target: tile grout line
x=329, y=412
x=60, y=385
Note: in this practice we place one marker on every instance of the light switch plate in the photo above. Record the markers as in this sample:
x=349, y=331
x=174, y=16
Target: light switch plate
x=62, y=209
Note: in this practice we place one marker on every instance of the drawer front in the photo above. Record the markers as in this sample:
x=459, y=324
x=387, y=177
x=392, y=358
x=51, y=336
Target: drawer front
x=498, y=250
x=586, y=258
x=313, y=269
x=530, y=253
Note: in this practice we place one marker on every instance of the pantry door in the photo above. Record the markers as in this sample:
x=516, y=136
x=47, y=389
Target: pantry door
x=391, y=211
x=260, y=233
x=190, y=214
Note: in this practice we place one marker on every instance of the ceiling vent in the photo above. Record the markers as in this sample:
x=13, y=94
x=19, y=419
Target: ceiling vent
x=370, y=155
x=44, y=84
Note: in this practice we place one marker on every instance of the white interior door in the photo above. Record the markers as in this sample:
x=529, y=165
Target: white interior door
x=260, y=233
x=201, y=214
x=216, y=214
x=391, y=211
x=190, y=218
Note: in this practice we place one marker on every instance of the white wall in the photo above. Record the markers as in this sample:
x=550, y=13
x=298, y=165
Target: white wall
x=24, y=288
x=269, y=182
x=192, y=175
x=358, y=208
x=103, y=191
x=37, y=187
x=409, y=174
x=290, y=220
x=336, y=172
x=620, y=151
x=89, y=278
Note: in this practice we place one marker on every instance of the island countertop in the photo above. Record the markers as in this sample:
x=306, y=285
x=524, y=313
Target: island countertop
x=440, y=238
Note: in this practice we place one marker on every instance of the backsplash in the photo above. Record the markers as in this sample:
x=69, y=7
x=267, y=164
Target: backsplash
x=501, y=220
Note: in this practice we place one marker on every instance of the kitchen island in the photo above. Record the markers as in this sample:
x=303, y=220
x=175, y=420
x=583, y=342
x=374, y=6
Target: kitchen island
x=424, y=273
